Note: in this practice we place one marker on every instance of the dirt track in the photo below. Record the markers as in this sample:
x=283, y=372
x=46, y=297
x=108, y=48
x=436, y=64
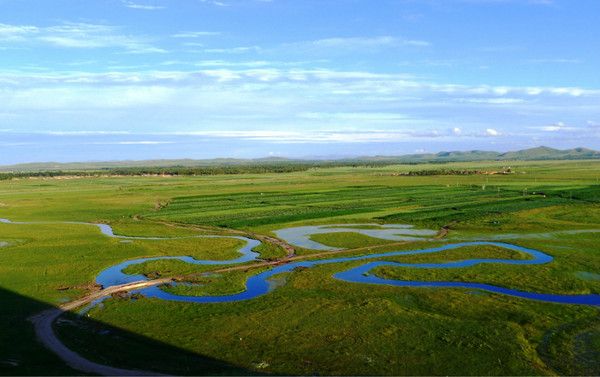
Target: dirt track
x=42, y=323
x=290, y=251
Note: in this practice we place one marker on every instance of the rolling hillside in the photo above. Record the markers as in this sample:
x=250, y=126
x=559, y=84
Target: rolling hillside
x=538, y=153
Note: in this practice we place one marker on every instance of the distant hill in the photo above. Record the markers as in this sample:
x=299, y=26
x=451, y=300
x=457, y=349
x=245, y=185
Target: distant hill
x=538, y=153
x=77, y=166
x=455, y=156
x=546, y=153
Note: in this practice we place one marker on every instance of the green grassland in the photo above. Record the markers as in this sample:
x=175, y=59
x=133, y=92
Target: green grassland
x=311, y=323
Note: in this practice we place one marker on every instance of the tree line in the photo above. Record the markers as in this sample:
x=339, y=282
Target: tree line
x=190, y=171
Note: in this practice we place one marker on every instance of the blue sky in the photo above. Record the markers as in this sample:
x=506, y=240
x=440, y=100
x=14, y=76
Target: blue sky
x=140, y=79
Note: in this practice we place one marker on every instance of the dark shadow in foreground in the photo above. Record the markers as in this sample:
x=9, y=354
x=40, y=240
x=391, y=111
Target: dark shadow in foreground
x=22, y=354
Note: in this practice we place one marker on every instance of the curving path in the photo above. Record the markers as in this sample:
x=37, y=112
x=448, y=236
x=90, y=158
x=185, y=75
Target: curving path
x=42, y=323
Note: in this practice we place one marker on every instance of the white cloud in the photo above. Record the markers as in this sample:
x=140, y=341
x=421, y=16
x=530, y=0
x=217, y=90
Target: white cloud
x=133, y=5
x=368, y=106
x=86, y=133
x=143, y=142
x=215, y=2
x=350, y=44
x=224, y=63
x=532, y=91
x=551, y=128
x=493, y=101
x=554, y=61
x=195, y=34
x=76, y=35
x=309, y=136
x=17, y=144
x=340, y=135
x=362, y=42
x=12, y=33
x=355, y=117
x=85, y=98
x=338, y=82
x=556, y=127
x=233, y=50
x=343, y=83
x=325, y=45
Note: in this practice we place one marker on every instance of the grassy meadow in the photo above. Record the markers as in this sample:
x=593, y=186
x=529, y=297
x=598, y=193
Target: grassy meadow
x=311, y=323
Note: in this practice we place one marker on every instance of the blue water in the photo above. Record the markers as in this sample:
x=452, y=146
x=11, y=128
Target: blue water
x=115, y=276
x=260, y=284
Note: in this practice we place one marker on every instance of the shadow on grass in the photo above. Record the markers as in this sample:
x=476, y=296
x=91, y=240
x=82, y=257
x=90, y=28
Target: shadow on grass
x=22, y=354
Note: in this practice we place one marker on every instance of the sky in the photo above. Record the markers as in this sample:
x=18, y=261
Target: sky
x=101, y=80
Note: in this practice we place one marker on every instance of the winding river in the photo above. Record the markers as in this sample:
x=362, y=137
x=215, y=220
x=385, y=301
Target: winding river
x=261, y=283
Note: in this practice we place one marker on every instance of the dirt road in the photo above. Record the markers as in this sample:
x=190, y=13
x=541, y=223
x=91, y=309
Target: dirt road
x=289, y=249
x=42, y=323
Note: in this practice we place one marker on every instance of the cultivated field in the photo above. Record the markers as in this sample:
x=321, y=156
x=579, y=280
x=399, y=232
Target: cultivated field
x=311, y=322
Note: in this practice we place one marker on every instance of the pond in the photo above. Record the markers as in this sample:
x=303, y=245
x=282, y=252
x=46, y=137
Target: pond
x=300, y=236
